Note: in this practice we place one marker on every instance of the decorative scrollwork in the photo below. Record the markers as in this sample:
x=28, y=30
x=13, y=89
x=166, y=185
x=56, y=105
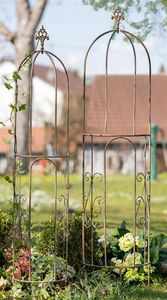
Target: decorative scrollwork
x=20, y=198
x=42, y=35
x=118, y=16
x=142, y=220
x=88, y=176
x=139, y=200
x=85, y=202
x=148, y=176
x=96, y=176
x=140, y=177
x=62, y=198
x=99, y=201
x=142, y=223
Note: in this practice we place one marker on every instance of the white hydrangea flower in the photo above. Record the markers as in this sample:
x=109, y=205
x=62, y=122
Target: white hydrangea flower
x=118, y=263
x=126, y=242
x=129, y=261
x=140, y=243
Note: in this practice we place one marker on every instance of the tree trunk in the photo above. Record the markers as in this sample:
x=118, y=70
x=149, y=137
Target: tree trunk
x=22, y=49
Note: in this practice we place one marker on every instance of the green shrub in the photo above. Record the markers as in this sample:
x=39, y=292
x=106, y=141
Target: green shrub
x=5, y=229
x=46, y=239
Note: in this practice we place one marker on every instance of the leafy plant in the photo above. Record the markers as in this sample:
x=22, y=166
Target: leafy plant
x=5, y=230
x=46, y=239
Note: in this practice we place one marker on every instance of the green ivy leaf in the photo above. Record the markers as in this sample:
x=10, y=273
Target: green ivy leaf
x=16, y=76
x=13, y=107
x=22, y=107
x=2, y=123
x=10, y=131
x=8, y=179
x=8, y=85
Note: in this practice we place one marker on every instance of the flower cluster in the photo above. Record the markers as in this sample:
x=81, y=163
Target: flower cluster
x=128, y=241
x=125, y=253
x=8, y=253
x=22, y=266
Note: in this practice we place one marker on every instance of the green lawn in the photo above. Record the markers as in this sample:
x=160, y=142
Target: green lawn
x=119, y=205
x=119, y=198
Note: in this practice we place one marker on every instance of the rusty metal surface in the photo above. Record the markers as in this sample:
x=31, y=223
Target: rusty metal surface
x=23, y=232
x=90, y=178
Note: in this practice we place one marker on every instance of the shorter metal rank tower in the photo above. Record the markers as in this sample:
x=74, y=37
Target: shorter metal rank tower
x=102, y=132
x=30, y=163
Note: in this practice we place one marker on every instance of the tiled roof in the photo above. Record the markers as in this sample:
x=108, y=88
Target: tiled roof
x=120, y=104
x=47, y=74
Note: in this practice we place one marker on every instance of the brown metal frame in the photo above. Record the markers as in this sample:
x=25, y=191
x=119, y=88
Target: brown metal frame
x=18, y=198
x=90, y=177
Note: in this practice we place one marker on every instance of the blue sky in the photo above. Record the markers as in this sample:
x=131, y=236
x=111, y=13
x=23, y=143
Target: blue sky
x=72, y=26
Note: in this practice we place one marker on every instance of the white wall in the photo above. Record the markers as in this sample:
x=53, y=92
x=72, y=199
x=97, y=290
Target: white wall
x=43, y=98
x=6, y=96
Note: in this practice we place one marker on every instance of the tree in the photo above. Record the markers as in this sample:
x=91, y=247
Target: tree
x=28, y=18
x=152, y=15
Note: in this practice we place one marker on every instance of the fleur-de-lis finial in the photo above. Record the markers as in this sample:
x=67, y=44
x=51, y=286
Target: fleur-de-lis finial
x=42, y=35
x=118, y=16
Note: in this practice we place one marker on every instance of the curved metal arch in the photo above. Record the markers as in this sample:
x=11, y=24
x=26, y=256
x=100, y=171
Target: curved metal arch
x=49, y=55
x=119, y=138
x=105, y=191
x=26, y=59
x=106, y=81
x=85, y=64
x=55, y=60
x=41, y=158
x=128, y=35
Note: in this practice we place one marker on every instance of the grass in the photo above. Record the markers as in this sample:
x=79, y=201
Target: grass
x=119, y=198
x=119, y=206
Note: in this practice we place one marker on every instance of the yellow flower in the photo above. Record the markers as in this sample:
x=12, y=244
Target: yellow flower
x=145, y=268
x=126, y=242
x=133, y=275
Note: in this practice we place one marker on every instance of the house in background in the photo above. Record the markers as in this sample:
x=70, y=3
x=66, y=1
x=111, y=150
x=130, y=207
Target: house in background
x=43, y=108
x=120, y=156
x=119, y=110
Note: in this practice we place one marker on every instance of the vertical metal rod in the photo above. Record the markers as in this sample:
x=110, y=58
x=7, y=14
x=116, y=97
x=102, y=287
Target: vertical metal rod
x=14, y=174
x=91, y=204
x=106, y=82
x=67, y=215
x=29, y=218
x=66, y=203
x=55, y=221
x=30, y=103
x=83, y=198
x=68, y=93
x=55, y=152
x=148, y=201
x=55, y=99
x=145, y=195
x=134, y=85
x=105, y=209
x=135, y=192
